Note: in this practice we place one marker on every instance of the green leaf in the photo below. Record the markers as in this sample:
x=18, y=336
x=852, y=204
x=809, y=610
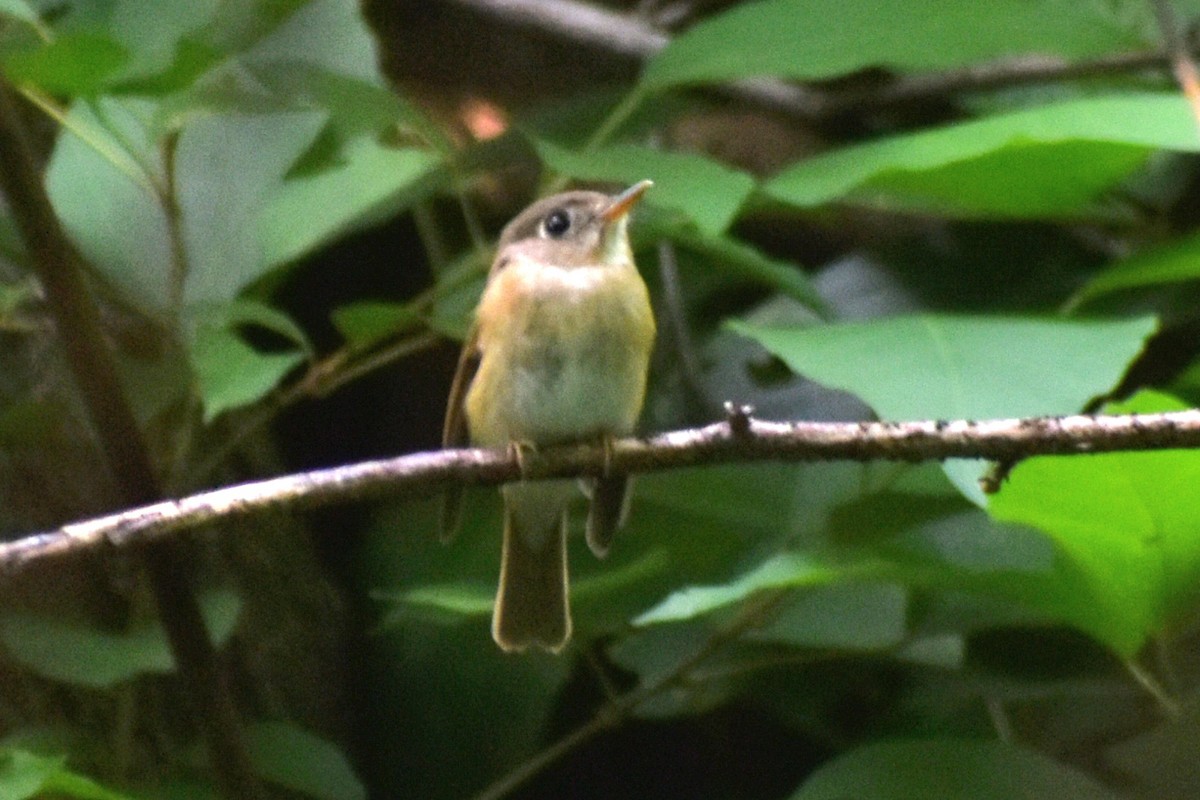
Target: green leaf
x=846, y=616
x=75, y=653
x=239, y=27
x=743, y=261
x=245, y=311
x=1127, y=526
x=317, y=54
x=364, y=324
x=1052, y=159
x=1174, y=262
x=20, y=9
x=448, y=600
x=357, y=106
x=812, y=39
x=965, y=770
x=29, y=775
x=962, y=367
x=100, y=180
x=325, y=34
x=945, y=367
x=296, y=759
x=231, y=373
x=786, y=570
x=372, y=183
x=23, y=774
x=71, y=64
x=708, y=193
x=227, y=169
x=157, y=43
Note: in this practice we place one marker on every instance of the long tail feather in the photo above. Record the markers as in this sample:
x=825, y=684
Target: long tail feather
x=531, y=604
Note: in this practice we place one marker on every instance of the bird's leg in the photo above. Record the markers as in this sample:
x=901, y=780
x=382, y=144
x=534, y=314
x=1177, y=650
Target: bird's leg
x=610, y=502
x=518, y=448
x=607, y=442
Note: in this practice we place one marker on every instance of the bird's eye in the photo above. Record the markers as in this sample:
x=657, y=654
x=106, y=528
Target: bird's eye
x=557, y=223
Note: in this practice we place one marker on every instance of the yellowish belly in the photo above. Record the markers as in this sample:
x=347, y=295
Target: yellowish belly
x=564, y=355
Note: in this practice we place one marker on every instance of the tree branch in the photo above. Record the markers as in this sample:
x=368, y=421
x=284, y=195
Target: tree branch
x=740, y=438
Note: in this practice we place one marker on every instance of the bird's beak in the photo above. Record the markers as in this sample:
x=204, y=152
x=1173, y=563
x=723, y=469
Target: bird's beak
x=623, y=203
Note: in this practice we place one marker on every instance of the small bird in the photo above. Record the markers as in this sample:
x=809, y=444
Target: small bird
x=558, y=352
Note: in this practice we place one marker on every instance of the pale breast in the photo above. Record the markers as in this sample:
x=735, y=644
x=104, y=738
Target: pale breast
x=564, y=354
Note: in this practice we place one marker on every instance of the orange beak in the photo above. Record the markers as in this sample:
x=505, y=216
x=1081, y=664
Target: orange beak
x=623, y=203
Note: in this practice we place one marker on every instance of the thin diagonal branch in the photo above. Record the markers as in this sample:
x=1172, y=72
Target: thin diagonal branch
x=740, y=438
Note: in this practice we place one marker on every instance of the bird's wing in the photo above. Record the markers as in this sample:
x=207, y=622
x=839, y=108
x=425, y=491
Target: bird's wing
x=454, y=430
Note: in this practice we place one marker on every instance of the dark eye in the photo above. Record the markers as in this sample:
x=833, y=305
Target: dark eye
x=557, y=223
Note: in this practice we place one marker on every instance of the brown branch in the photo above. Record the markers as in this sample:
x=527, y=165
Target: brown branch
x=738, y=439
x=60, y=270
x=629, y=37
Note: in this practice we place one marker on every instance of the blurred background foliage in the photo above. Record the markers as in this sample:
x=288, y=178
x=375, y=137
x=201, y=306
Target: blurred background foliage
x=862, y=209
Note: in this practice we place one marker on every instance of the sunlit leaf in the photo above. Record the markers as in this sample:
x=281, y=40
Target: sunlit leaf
x=372, y=183
x=227, y=169
x=363, y=324
x=945, y=367
x=811, y=39
x=449, y=600
x=1052, y=159
x=101, y=179
x=19, y=9
x=72, y=64
x=1128, y=525
x=962, y=367
x=787, y=570
x=1174, y=262
x=327, y=34
x=156, y=42
x=28, y=775
x=231, y=373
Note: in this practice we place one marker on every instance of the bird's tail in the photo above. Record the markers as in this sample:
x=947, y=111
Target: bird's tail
x=531, y=604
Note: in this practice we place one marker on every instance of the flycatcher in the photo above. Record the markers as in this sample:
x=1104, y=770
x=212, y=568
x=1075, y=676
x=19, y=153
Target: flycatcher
x=558, y=353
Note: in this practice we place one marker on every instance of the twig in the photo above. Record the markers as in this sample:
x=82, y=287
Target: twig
x=323, y=378
x=740, y=439
x=586, y=24
x=60, y=270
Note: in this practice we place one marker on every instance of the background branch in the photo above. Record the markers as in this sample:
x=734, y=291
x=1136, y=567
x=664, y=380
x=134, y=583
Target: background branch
x=738, y=439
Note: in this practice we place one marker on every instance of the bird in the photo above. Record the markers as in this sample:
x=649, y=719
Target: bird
x=558, y=352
